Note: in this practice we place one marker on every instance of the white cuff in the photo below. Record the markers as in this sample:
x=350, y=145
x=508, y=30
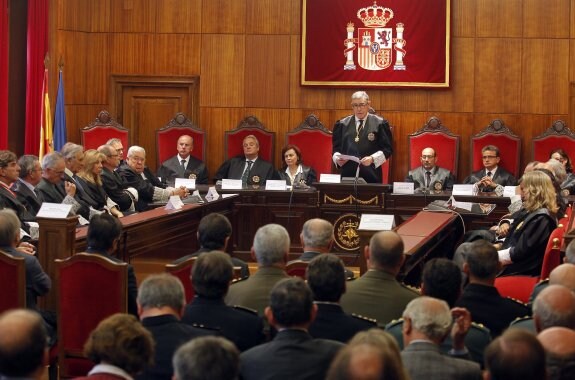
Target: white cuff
x=378, y=158
x=335, y=157
x=505, y=256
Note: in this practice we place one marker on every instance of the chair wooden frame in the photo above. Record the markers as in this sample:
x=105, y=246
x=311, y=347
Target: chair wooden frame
x=178, y=126
x=556, y=136
x=18, y=294
x=107, y=127
x=313, y=128
x=250, y=126
x=297, y=268
x=495, y=134
x=183, y=271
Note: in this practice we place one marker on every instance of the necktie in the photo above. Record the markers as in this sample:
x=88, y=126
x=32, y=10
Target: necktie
x=489, y=174
x=247, y=173
x=428, y=178
x=360, y=127
x=183, y=165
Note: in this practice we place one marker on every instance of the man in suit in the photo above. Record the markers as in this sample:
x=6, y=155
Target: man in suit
x=377, y=294
x=270, y=250
x=117, y=144
x=74, y=162
x=251, y=169
x=25, y=187
x=427, y=321
x=554, y=307
x=183, y=164
x=429, y=176
x=480, y=296
x=160, y=305
x=559, y=345
x=213, y=234
x=491, y=175
x=9, y=171
x=207, y=358
x=515, y=355
x=362, y=135
x=293, y=353
x=326, y=279
x=104, y=232
x=211, y=277
x=124, y=196
x=135, y=174
x=23, y=350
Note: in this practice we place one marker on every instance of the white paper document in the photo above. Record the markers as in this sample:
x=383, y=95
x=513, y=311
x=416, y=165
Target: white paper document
x=276, y=184
x=189, y=183
x=403, y=187
x=463, y=189
x=509, y=191
x=231, y=184
x=376, y=222
x=349, y=158
x=54, y=210
x=329, y=178
x=174, y=203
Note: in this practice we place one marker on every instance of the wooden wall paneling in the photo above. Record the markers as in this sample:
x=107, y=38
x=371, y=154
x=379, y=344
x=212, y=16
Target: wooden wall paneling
x=546, y=19
x=275, y=120
x=268, y=17
x=545, y=65
x=177, y=54
x=296, y=15
x=222, y=70
x=80, y=115
x=530, y=126
x=131, y=53
x=498, y=75
x=463, y=18
x=224, y=16
x=133, y=16
x=100, y=15
x=267, y=71
x=403, y=124
x=406, y=99
x=461, y=124
x=572, y=104
x=496, y=18
x=572, y=59
x=68, y=44
x=572, y=17
x=70, y=15
x=459, y=96
x=97, y=68
x=178, y=16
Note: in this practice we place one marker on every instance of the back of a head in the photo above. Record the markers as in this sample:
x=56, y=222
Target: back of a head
x=213, y=230
x=429, y=316
x=570, y=252
x=482, y=260
x=441, y=279
x=207, y=358
x=386, y=250
x=23, y=341
x=121, y=341
x=554, y=306
x=291, y=302
x=271, y=244
x=102, y=231
x=161, y=290
x=326, y=277
x=317, y=233
x=559, y=345
x=9, y=227
x=563, y=274
x=515, y=355
x=211, y=275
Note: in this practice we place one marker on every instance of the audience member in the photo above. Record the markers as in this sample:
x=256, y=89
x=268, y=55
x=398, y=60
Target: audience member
x=103, y=236
x=441, y=278
x=124, y=196
x=293, y=353
x=570, y=253
x=430, y=176
x=73, y=155
x=559, y=345
x=207, y=358
x=563, y=274
x=214, y=232
x=293, y=171
x=326, y=279
x=183, y=165
x=9, y=171
x=251, y=169
x=270, y=249
x=378, y=286
x=427, y=321
x=370, y=355
x=160, y=305
x=554, y=307
x=25, y=187
x=480, y=296
x=492, y=174
x=211, y=277
x=23, y=345
x=120, y=347
x=515, y=355
x=117, y=144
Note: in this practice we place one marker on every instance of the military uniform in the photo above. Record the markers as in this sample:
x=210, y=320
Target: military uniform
x=332, y=323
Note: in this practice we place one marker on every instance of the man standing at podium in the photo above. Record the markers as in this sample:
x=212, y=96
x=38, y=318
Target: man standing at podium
x=362, y=135
x=429, y=175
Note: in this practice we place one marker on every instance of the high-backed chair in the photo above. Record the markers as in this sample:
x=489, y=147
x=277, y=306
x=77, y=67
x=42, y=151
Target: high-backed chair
x=552, y=258
x=167, y=138
x=516, y=287
x=183, y=271
x=509, y=144
x=12, y=282
x=314, y=141
x=297, y=268
x=434, y=135
x=250, y=126
x=556, y=136
x=90, y=288
x=101, y=130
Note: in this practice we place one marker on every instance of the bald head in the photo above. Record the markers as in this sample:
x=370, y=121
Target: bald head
x=559, y=341
x=23, y=341
x=554, y=306
x=385, y=251
x=564, y=275
x=317, y=235
x=570, y=253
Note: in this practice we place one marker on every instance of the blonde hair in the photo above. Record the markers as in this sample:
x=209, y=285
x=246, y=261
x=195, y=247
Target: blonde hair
x=91, y=157
x=540, y=190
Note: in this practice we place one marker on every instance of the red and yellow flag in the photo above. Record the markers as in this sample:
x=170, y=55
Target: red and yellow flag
x=46, y=138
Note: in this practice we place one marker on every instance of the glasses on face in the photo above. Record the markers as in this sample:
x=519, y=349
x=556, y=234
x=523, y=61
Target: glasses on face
x=138, y=159
x=358, y=105
x=424, y=156
x=489, y=157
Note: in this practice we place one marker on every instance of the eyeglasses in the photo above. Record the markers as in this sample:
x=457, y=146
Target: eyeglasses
x=488, y=157
x=424, y=156
x=137, y=159
x=358, y=105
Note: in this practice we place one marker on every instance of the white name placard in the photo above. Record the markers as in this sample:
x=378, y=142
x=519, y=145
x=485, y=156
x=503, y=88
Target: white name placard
x=174, y=203
x=329, y=178
x=189, y=183
x=509, y=191
x=231, y=184
x=376, y=222
x=403, y=187
x=276, y=184
x=54, y=210
x=463, y=190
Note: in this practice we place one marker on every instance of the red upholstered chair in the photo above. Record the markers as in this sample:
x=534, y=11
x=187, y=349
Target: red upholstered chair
x=556, y=136
x=509, y=144
x=183, y=271
x=167, y=138
x=434, y=135
x=314, y=141
x=516, y=287
x=12, y=282
x=101, y=130
x=89, y=288
x=250, y=126
x=552, y=257
x=297, y=268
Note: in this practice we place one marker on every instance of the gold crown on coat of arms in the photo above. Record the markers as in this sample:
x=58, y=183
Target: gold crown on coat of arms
x=375, y=16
